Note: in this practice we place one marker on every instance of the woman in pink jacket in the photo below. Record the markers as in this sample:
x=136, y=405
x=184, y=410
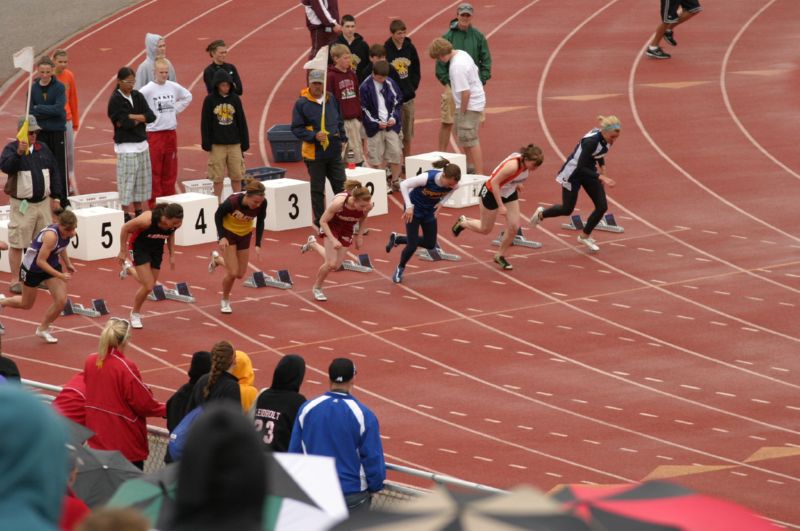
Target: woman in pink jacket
x=117, y=401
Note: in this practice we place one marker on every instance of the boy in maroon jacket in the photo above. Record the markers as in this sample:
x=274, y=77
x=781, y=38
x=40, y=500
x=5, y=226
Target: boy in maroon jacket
x=343, y=84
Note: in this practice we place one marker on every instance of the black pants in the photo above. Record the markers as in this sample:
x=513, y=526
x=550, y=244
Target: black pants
x=318, y=171
x=597, y=194
x=56, y=141
x=358, y=502
x=412, y=241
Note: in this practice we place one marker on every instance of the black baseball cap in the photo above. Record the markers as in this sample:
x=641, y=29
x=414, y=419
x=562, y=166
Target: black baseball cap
x=341, y=370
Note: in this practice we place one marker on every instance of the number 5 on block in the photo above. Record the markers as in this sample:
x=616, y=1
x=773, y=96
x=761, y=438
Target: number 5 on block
x=98, y=230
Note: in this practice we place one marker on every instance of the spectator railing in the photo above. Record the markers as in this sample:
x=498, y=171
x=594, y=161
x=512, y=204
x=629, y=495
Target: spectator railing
x=394, y=492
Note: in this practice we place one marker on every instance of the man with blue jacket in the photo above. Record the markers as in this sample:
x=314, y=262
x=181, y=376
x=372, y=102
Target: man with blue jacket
x=339, y=426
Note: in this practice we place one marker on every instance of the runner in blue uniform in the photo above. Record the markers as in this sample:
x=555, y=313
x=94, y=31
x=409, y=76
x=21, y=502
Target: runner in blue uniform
x=43, y=262
x=423, y=195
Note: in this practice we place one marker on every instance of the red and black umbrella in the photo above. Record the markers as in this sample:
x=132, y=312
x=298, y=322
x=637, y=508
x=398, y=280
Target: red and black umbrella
x=657, y=506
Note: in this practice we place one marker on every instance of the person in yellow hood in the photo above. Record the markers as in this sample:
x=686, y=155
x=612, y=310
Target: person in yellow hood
x=243, y=371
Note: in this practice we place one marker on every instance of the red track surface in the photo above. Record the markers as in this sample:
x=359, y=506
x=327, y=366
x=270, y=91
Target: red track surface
x=673, y=352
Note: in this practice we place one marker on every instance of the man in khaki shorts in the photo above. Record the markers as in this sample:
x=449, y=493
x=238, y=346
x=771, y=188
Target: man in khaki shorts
x=33, y=186
x=468, y=95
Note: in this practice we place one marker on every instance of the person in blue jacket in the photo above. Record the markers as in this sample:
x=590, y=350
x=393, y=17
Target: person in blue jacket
x=329, y=425
x=424, y=195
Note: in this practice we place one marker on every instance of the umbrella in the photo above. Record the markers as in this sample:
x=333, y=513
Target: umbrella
x=657, y=506
x=77, y=433
x=303, y=492
x=100, y=472
x=521, y=509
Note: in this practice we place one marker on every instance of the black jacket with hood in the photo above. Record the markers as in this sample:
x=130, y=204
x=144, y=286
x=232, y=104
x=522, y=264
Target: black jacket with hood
x=223, y=120
x=276, y=407
x=176, y=405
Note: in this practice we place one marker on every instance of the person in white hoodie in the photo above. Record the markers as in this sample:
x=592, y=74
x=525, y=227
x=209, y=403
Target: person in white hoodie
x=156, y=48
x=166, y=99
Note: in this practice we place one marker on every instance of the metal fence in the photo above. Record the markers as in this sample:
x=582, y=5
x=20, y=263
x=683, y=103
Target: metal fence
x=394, y=492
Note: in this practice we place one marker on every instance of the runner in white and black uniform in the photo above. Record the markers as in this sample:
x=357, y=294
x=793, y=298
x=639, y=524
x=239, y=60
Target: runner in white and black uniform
x=585, y=167
x=42, y=262
x=145, y=236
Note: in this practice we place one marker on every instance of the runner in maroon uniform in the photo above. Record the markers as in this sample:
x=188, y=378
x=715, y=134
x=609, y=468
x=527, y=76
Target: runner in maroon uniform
x=234, y=220
x=147, y=233
x=337, y=226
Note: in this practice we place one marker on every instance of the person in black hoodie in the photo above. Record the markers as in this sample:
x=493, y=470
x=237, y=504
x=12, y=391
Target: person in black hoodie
x=223, y=129
x=276, y=407
x=358, y=47
x=403, y=57
x=222, y=477
x=176, y=405
x=219, y=383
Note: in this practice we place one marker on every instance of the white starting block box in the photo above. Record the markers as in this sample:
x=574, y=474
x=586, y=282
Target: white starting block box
x=416, y=164
x=288, y=204
x=468, y=192
x=206, y=187
x=5, y=213
x=198, y=218
x=102, y=199
x=4, y=265
x=98, y=231
x=373, y=179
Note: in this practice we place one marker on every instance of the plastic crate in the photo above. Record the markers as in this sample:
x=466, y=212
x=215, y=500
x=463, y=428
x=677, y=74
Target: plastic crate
x=266, y=173
x=199, y=186
x=285, y=146
x=101, y=199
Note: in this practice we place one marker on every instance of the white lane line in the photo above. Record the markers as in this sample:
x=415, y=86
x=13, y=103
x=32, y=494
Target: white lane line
x=493, y=421
x=458, y=413
x=493, y=347
x=591, y=441
x=457, y=340
x=481, y=458
x=760, y=401
x=651, y=379
x=665, y=458
x=518, y=466
x=523, y=353
x=650, y=415
x=685, y=422
x=413, y=443
x=387, y=360
x=524, y=427
x=721, y=430
x=723, y=393
x=629, y=450
x=447, y=450
x=424, y=406
x=358, y=354
x=613, y=408
x=420, y=367
x=692, y=387
x=553, y=474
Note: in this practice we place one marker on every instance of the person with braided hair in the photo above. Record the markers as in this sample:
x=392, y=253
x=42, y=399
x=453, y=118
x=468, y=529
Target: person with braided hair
x=219, y=384
x=117, y=401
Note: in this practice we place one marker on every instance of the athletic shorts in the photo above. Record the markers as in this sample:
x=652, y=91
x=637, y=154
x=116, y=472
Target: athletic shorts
x=489, y=202
x=669, y=9
x=345, y=239
x=384, y=146
x=242, y=243
x=407, y=120
x=147, y=255
x=32, y=279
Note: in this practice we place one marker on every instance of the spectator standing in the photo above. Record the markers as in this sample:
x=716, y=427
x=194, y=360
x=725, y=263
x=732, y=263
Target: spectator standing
x=219, y=383
x=382, y=105
x=276, y=408
x=166, y=99
x=469, y=98
x=464, y=36
x=243, y=371
x=223, y=129
x=337, y=425
x=357, y=45
x=129, y=114
x=219, y=52
x=67, y=78
x=322, y=21
x=322, y=151
x=47, y=105
x=156, y=48
x=670, y=18
x=70, y=402
x=34, y=190
x=177, y=403
x=33, y=462
x=117, y=400
x=344, y=86
x=402, y=56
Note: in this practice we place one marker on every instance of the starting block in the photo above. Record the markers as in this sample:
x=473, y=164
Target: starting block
x=181, y=293
x=519, y=240
x=436, y=254
x=259, y=279
x=74, y=308
x=608, y=224
x=364, y=264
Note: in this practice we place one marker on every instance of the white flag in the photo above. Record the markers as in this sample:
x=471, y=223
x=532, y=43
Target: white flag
x=24, y=59
x=319, y=62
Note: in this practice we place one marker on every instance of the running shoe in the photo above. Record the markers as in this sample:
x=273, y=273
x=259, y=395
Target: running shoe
x=392, y=242
x=46, y=335
x=212, y=264
x=502, y=262
x=397, y=277
x=657, y=53
x=589, y=242
x=225, y=306
x=124, y=271
x=670, y=38
x=318, y=294
x=537, y=218
x=309, y=242
x=457, y=228
x=16, y=288
x=136, y=320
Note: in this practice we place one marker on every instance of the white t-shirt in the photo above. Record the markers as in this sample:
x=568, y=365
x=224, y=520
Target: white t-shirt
x=464, y=76
x=383, y=112
x=166, y=101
